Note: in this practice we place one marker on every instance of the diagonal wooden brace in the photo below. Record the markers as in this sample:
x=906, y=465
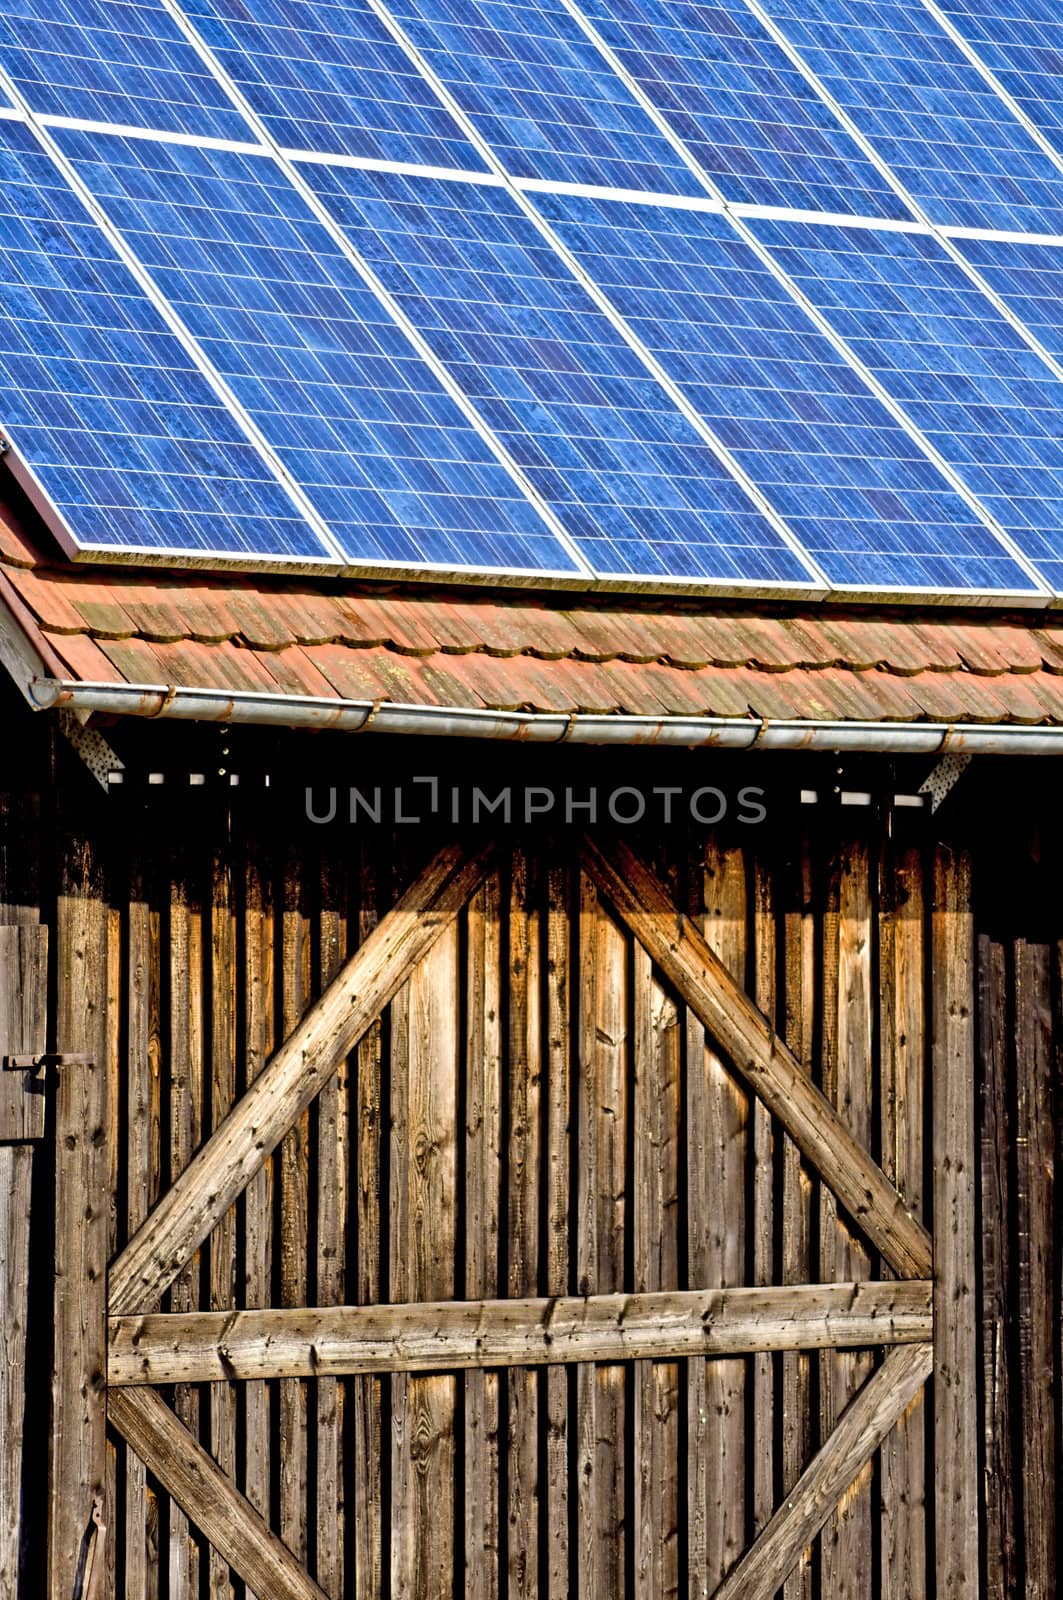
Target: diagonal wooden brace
x=771, y=1070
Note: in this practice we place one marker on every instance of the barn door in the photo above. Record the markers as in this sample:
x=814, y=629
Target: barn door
x=591, y=1314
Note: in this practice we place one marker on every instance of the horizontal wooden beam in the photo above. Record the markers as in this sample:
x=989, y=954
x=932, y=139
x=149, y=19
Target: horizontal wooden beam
x=210, y=1499
x=771, y=1070
x=239, y=1146
x=863, y=1425
x=206, y=1346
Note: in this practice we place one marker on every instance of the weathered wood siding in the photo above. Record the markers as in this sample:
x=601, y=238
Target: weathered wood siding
x=538, y=1114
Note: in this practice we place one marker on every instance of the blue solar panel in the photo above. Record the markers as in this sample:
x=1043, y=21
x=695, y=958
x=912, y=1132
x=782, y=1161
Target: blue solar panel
x=747, y=114
x=963, y=374
x=631, y=477
x=356, y=416
x=99, y=399
x=1029, y=278
x=122, y=61
x=928, y=112
x=330, y=78
x=1022, y=42
x=858, y=492
x=542, y=94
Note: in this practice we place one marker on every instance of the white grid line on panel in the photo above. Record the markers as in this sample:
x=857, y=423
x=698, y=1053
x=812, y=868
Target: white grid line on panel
x=605, y=305
x=990, y=78
x=322, y=214
x=176, y=326
x=735, y=216
x=154, y=135
x=404, y=169
x=1005, y=236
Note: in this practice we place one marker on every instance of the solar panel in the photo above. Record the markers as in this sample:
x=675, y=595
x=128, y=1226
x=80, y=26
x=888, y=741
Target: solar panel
x=744, y=110
x=634, y=483
x=330, y=78
x=1029, y=277
x=542, y=95
x=123, y=61
x=852, y=484
x=928, y=112
x=1021, y=41
x=358, y=419
x=966, y=378
x=99, y=400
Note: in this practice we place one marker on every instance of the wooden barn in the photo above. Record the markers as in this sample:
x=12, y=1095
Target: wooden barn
x=513, y=1095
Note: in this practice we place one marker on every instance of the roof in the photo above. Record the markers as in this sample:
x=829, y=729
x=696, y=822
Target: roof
x=472, y=650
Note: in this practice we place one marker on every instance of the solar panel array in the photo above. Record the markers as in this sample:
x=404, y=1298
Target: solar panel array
x=753, y=295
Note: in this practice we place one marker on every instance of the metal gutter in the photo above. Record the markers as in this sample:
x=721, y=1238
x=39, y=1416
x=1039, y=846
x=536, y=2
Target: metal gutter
x=723, y=733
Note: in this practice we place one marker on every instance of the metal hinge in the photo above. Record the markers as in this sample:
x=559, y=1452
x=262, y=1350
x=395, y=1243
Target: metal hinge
x=39, y=1064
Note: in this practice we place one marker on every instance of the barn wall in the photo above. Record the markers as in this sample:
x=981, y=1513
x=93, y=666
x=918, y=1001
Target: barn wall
x=537, y=1113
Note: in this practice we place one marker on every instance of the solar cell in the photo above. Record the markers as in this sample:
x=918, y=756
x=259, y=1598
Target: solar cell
x=123, y=61
x=100, y=400
x=633, y=480
x=928, y=112
x=754, y=123
x=329, y=77
x=852, y=484
x=357, y=417
x=1021, y=41
x=965, y=377
x=542, y=95
x=1029, y=278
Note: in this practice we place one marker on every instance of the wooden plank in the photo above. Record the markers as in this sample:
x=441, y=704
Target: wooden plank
x=956, y=1486
x=23, y=1028
x=860, y=1431
x=257, y=1206
x=427, y=1336
x=332, y=1144
x=558, y=1057
x=329, y=1031
x=903, y=1042
x=763, y=1207
x=1035, y=1138
x=760, y=1056
x=366, y=1394
x=848, y=1005
x=483, y=1167
x=222, y=1287
x=423, y=1241
x=522, y=1224
x=209, y=1497
x=78, y=1453
x=16, y=1171
x=997, y=1212
x=293, y=1179
x=656, y=1269
x=602, y=1210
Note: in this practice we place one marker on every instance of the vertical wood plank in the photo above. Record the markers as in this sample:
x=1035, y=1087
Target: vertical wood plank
x=902, y=1035
x=656, y=1267
x=763, y=1376
x=483, y=1162
x=955, y=1336
x=78, y=1453
x=522, y=1198
x=423, y=1238
x=559, y=1069
x=718, y=1113
x=997, y=1226
x=1035, y=1137
x=16, y=1171
x=799, y=965
x=258, y=1196
x=846, y=1540
x=331, y=1141
x=293, y=1173
x=366, y=1393
x=143, y=1166
x=222, y=1398
x=600, y=1243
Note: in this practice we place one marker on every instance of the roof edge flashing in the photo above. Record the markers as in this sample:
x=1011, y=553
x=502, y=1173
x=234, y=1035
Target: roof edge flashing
x=361, y=716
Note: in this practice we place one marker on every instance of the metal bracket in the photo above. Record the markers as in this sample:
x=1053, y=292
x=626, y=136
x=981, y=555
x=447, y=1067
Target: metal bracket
x=942, y=777
x=93, y=749
x=39, y=1064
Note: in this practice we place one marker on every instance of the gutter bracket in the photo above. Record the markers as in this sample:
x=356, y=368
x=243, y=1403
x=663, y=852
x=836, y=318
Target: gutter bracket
x=92, y=747
x=944, y=775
